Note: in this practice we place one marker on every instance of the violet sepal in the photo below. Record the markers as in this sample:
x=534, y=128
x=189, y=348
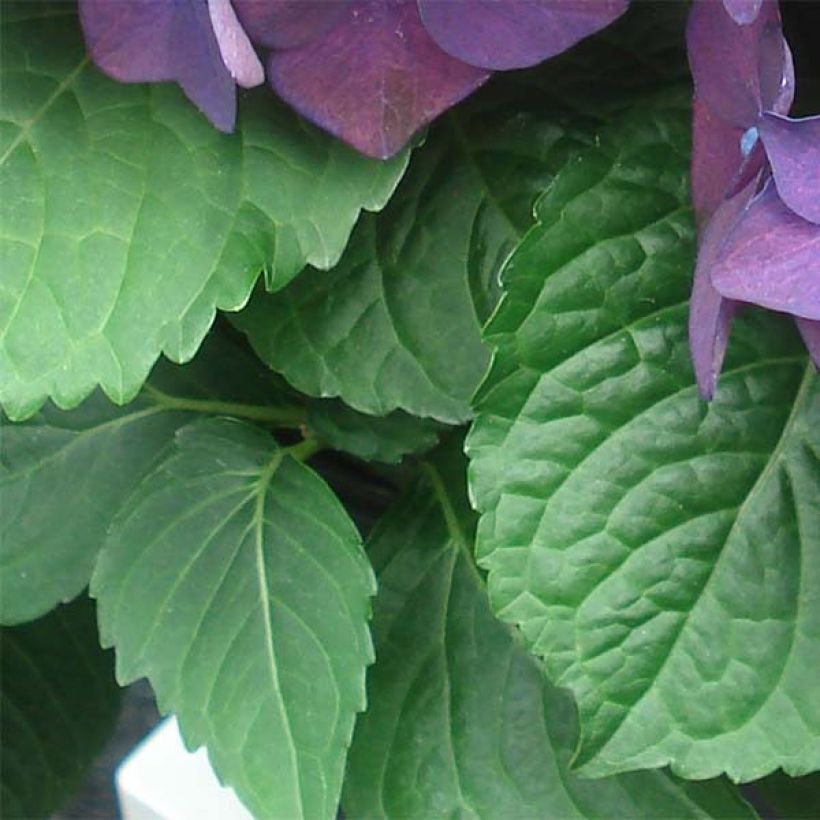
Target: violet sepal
x=810, y=331
x=743, y=11
x=514, y=33
x=374, y=78
x=157, y=40
x=237, y=52
x=710, y=312
x=770, y=256
x=288, y=23
x=793, y=150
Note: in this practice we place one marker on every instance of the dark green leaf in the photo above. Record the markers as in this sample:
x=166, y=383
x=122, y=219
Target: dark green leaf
x=237, y=584
x=397, y=324
x=657, y=551
x=461, y=721
x=128, y=219
x=58, y=705
x=789, y=798
x=373, y=438
x=64, y=475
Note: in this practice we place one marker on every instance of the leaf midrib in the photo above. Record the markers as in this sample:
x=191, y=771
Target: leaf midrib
x=459, y=538
x=258, y=521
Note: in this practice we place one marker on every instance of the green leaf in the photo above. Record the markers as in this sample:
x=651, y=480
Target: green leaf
x=237, y=584
x=128, y=219
x=461, y=721
x=62, y=478
x=396, y=325
x=372, y=438
x=64, y=475
x=58, y=705
x=657, y=551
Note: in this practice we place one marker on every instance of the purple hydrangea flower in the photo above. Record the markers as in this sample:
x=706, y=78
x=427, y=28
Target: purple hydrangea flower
x=743, y=12
x=370, y=71
x=373, y=71
x=755, y=181
x=200, y=44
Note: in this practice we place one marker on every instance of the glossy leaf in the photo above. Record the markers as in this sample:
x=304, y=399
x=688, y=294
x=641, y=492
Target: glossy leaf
x=462, y=721
x=657, y=551
x=64, y=475
x=396, y=324
x=235, y=582
x=58, y=705
x=128, y=219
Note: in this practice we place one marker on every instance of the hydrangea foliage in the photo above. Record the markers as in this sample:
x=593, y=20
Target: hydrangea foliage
x=289, y=502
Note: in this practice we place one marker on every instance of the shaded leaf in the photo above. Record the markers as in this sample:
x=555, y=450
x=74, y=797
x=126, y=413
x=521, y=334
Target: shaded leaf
x=58, y=705
x=372, y=438
x=790, y=798
x=657, y=551
x=237, y=584
x=128, y=219
x=64, y=475
x=396, y=325
x=462, y=721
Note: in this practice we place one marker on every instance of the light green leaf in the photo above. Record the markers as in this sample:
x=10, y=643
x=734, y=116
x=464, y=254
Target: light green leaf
x=64, y=475
x=372, y=438
x=128, y=219
x=237, y=584
x=462, y=721
x=58, y=705
x=659, y=553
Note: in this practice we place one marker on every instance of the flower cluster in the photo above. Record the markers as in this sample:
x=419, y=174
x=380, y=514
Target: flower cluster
x=755, y=180
x=369, y=71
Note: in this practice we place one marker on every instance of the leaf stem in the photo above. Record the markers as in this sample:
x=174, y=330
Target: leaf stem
x=305, y=449
x=457, y=534
x=281, y=416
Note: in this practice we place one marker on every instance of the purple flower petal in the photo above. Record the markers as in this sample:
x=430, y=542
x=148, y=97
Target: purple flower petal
x=771, y=257
x=776, y=71
x=793, y=148
x=810, y=331
x=288, y=23
x=710, y=320
x=716, y=158
x=514, y=33
x=710, y=314
x=727, y=60
x=157, y=40
x=374, y=79
x=237, y=52
x=743, y=11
